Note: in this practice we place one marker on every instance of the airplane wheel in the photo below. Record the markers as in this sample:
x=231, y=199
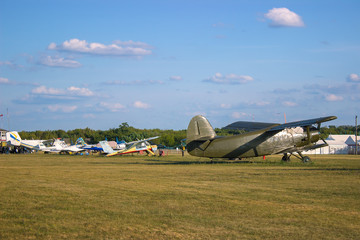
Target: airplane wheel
x=286, y=158
x=306, y=159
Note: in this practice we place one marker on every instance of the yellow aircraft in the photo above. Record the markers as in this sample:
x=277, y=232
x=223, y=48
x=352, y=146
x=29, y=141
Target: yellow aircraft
x=136, y=146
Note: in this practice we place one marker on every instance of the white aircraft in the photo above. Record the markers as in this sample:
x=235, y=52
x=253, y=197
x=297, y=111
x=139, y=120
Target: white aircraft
x=14, y=139
x=120, y=145
x=58, y=146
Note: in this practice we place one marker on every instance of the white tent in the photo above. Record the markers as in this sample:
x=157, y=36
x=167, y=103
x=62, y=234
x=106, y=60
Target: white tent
x=338, y=144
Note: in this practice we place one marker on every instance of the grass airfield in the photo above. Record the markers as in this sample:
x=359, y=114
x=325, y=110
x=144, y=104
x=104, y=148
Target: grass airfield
x=173, y=197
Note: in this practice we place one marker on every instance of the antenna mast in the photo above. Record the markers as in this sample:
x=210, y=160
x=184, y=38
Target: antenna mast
x=356, y=143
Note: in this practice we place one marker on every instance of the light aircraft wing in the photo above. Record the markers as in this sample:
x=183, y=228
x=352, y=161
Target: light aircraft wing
x=304, y=123
x=106, y=147
x=253, y=126
x=92, y=147
x=142, y=140
x=249, y=126
x=305, y=148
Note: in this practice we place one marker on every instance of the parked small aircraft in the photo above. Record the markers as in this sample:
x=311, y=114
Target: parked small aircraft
x=265, y=139
x=116, y=145
x=120, y=145
x=14, y=139
x=135, y=146
x=58, y=146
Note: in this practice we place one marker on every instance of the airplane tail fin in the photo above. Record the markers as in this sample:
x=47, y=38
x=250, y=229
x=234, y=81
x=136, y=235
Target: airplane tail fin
x=106, y=147
x=13, y=138
x=199, y=129
x=80, y=141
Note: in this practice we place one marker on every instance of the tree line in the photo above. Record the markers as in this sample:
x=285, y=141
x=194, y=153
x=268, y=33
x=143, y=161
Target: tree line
x=168, y=138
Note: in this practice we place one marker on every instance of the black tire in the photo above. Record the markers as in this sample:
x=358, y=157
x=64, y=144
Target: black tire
x=306, y=159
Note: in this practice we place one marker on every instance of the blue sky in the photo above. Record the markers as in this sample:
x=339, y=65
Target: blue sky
x=155, y=64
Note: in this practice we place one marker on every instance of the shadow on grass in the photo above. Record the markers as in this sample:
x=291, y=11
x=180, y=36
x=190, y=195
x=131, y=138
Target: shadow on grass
x=327, y=169
x=169, y=162
x=290, y=166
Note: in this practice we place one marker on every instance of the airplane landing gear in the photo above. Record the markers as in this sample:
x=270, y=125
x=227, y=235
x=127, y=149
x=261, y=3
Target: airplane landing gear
x=286, y=157
x=304, y=159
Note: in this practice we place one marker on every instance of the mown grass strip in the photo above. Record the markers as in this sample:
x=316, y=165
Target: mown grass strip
x=62, y=197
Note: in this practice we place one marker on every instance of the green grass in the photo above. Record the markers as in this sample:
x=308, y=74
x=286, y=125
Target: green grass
x=136, y=197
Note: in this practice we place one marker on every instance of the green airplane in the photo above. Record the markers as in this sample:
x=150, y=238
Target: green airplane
x=262, y=139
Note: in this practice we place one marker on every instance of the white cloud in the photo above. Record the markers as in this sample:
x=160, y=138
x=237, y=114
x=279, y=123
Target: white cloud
x=260, y=103
x=4, y=80
x=289, y=104
x=218, y=25
x=229, y=79
x=127, y=49
x=11, y=65
x=59, y=62
x=239, y=115
x=70, y=92
x=89, y=115
x=225, y=106
x=61, y=108
x=113, y=107
x=5, y=63
x=283, y=17
x=135, y=82
x=131, y=43
x=333, y=98
x=354, y=77
x=175, y=78
x=11, y=82
x=47, y=91
x=80, y=91
x=139, y=104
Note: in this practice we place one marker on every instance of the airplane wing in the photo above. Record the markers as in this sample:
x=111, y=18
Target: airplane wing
x=248, y=126
x=305, y=148
x=142, y=140
x=253, y=126
x=150, y=152
x=304, y=123
x=92, y=147
x=106, y=147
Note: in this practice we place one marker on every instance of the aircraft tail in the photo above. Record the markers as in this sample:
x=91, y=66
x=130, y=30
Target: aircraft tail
x=13, y=138
x=106, y=147
x=199, y=129
x=80, y=141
